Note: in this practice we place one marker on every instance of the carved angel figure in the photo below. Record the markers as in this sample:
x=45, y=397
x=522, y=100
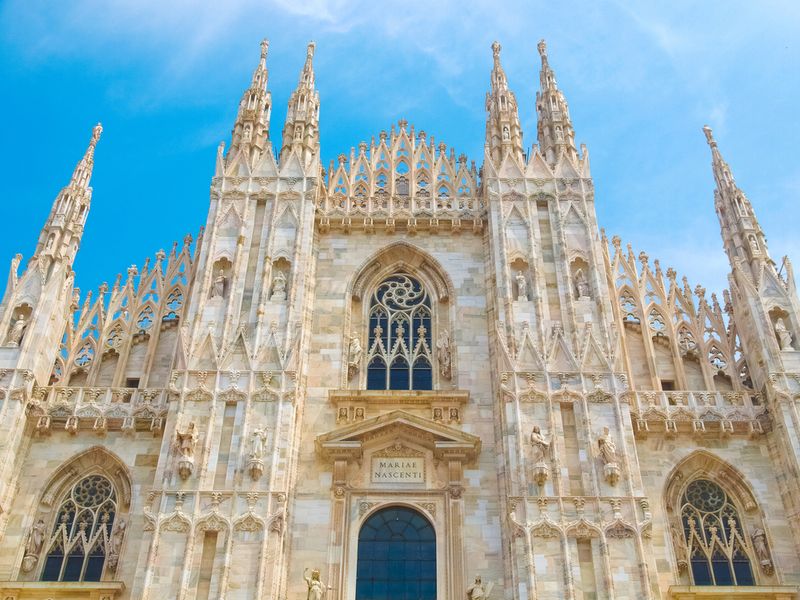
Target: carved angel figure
x=608, y=449
x=316, y=589
x=186, y=441
x=783, y=335
x=522, y=287
x=17, y=331
x=443, y=354
x=541, y=445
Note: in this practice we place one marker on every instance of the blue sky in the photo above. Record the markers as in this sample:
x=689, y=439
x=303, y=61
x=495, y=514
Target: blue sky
x=165, y=79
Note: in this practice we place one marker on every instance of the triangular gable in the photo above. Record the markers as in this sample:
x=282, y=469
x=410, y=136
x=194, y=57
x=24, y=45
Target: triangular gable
x=538, y=168
x=561, y=358
x=444, y=441
x=266, y=165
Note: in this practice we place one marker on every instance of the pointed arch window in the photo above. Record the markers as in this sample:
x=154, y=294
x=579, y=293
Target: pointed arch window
x=79, y=541
x=399, y=355
x=718, y=551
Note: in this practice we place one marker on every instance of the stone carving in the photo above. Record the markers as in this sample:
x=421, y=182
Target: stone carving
x=681, y=551
x=783, y=335
x=186, y=442
x=278, y=287
x=115, y=544
x=581, y=284
x=522, y=287
x=608, y=454
x=33, y=546
x=762, y=552
x=17, y=331
x=478, y=591
x=220, y=285
x=255, y=465
x=541, y=452
x=354, y=352
x=316, y=589
x=443, y=355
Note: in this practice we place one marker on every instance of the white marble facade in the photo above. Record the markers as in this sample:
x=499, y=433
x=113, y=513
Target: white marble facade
x=203, y=428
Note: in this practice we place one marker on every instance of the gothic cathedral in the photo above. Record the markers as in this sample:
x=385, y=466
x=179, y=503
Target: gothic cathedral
x=400, y=377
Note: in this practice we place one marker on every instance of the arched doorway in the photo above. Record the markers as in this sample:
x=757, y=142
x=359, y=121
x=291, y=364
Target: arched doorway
x=396, y=556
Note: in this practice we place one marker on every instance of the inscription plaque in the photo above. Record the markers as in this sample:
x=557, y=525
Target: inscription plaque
x=388, y=469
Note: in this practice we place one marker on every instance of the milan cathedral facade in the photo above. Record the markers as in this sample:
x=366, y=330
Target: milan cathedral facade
x=399, y=376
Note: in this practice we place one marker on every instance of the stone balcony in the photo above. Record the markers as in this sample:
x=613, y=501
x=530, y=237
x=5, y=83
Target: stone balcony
x=700, y=413
x=387, y=213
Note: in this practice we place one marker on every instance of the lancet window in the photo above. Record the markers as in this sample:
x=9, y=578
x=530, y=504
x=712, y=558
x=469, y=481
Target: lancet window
x=399, y=355
x=718, y=551
x=80, y=538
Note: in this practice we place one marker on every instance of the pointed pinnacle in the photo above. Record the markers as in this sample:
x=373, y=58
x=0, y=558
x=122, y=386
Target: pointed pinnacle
x=542, y=46
x=264, y=48
x=310, y=49
x=496, y=47
x=709, y=136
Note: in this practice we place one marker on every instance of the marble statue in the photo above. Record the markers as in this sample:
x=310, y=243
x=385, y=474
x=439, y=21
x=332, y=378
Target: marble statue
x=354, y=353
x=784, y=337
x=35, y=538
x=443, y=354
x=760, y=545
x=541, y=445
x=186, y=441
x=581, y=284
x=316, y=589
x=608, y=449
x=278, y=287
x=478, y=591
x=257, y=440
x=117, y=537
x=220, y=283
x=17, y=331
x=681, y=551
x=522, y=287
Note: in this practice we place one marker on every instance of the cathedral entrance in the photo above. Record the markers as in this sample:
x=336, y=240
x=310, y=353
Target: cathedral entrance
x=396, y=556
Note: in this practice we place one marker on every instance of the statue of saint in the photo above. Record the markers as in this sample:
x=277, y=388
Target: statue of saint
x=541, y=445
x=17, y=331
x=316, y=589
x=186, y=441
x=608, y=449
x=760, y=545
x=581, y=284
x=354, y=353
x=443, y=354
x=35, y=539
x=257, y=440
x=117, y=537
x=782, y=333
x=220, y=283
x=522, y=287
x=278, y=287
x=477, y=591
x=681, y=551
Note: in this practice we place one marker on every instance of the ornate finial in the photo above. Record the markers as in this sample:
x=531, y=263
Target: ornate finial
x=402, y=123
x=310, y=49
x=709, y=136
x=264, y=48
x=542, y=46
x=496, y=49
x=98, y=129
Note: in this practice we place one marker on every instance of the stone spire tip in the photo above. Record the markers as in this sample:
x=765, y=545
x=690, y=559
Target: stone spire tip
x=310, y=50
x=496, y=49
x=264, y=48
x=542, y=46
x=709, y=136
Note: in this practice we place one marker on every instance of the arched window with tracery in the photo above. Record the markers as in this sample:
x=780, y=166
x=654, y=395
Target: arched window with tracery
x=399, y=348
x=717, y=549
x=80, y=537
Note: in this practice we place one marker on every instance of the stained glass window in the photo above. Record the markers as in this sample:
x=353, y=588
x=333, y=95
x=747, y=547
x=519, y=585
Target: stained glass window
x=396, y=556
x=399, y=356
x=718, y=548
x=76, y=548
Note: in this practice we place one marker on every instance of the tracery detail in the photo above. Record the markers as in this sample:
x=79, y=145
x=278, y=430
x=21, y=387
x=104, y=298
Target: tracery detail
x=80, y=538
x=399, y=355
x=719, y=551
